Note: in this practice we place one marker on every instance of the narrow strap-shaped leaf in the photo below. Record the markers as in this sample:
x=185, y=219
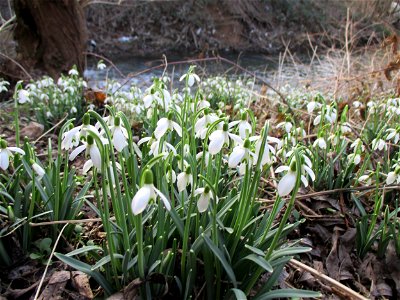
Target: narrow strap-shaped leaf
x=84, y=250
x=259, y=261
x=239, y=294
x=288, y=293
x=85, y=268
x=222, y=259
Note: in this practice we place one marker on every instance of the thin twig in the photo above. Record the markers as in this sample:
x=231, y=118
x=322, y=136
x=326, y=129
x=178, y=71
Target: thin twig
x=68, y=222
x=107, y=60
x=51, y=129
x=344, y=289
x=48, y=262
x=18, y=64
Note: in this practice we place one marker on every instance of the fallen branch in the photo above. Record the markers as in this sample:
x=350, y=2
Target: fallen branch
x=336, y=284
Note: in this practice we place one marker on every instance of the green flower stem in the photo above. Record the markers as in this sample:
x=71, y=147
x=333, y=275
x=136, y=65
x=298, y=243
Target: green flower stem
x=282, y=223
x=139, y=241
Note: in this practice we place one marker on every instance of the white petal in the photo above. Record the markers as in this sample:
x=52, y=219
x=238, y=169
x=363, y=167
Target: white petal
x=163, y=199
x=76, y=152
x=310, y=172
x=4, y=159
x=304, y=180
x=236, y=156
x=38, y=170
x=16, y=149
x=233, y=123
x=216, y=135
x=141, y=199
x=391, y=177
x=198, y=191
x=287, y=184
x=177, y=128
x=202, y=203
x=162, y=127
x=182, y=181
x=244, y=127
x=86, y=167
x=282, y=168
x=317, y=120
x=119, y=140
x=236, y=138
x=215, y=145
x=143, y=140
x=95, y=156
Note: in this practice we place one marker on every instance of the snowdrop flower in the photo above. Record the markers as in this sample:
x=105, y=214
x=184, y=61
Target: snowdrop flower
x=101, y=65
x=146, y=193
x=287, y=125
x=171, y=175
x=156, y=147
x=40, y=172
x=345, y=127
x=73, y=72
x=366, y=179
x=5, y=154
x=393, y=176
x=3, y=86
x=120, y=135
x=191, y=78
x=91, y=149
x=268, y=150
x=239, y=153
x=288, y=181
x=204, y=199
x=199, y=156
x=357, y=144
x=354, y=158
x=73, y=110
x=393, y=134
x=201, y=125
x=320, y=142
x=244, y=127
x=23, y=96
x=71, y=138
x=165, y=124
x=221, y=137
x=312, y=105
x=378, y=144
x=184, y=179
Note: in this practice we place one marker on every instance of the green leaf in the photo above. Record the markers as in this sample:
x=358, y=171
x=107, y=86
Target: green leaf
x=289, y=251
x=259, y=260
x=221, y=258
x=255, y=250
x=288, y=293
x=84, y=250
x=105, y=260
x=239, y=294
x=85, y=268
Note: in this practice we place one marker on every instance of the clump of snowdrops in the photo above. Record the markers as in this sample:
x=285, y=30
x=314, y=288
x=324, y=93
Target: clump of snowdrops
x=51, y=101
x=180, y=207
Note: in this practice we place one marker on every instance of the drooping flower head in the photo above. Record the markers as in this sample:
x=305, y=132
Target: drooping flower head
x=146, y=193
x=5, y=154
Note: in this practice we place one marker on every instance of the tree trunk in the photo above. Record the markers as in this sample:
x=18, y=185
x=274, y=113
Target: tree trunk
x=51, y=35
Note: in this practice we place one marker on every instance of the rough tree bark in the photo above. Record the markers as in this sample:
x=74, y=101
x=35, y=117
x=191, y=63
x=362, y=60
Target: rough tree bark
x=51, y=35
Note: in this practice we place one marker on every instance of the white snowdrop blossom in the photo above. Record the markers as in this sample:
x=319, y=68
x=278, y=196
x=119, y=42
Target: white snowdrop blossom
x=240, y=153
x=269, y=150
x=39, y=171
x=71, y=138
x=394, y=175
x=101, y=65
x=171, y=175
x=378, y=144
x=244, y=126
x=165, y=124
x=3, y=85
x=146, y=193
x=354, y=158
x=92, y=150
x=320, y=142
x=393, y=134
x=73, y=72
x=156, y=147
x=312, y=105
x=201, y=126
x=204, y=199
x=5, y=154
x=120, y=135
x=184, y=179
x=366, y=179
x=287, y=125
x=23, y=96
x=191, y=78
x=221, y=137
x=288, y=181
